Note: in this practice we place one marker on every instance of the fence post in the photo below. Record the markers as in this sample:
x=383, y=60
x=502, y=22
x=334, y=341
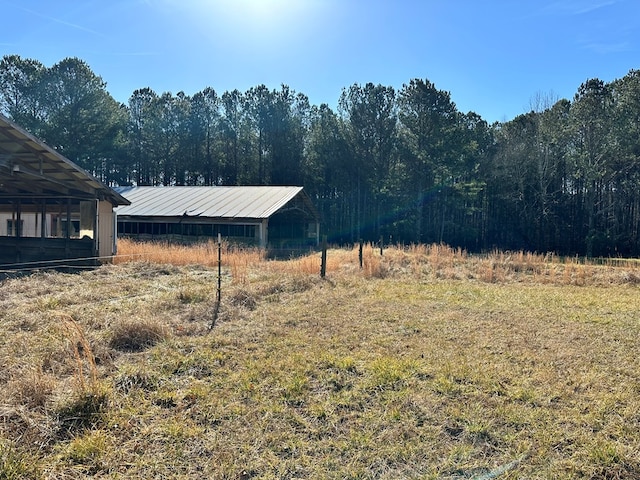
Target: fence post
x=360, y=247
x=216, y=308
x=381, y=244
x=323, y=263
x=219, y=295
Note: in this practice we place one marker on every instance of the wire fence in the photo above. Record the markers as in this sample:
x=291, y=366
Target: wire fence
x=65, y=264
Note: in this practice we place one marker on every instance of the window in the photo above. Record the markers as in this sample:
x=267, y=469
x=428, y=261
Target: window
x=14, y=229
x=73, y=226
x=237, y=231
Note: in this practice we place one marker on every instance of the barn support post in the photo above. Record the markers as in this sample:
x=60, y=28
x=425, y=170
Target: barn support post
x=11, y=233
x=43, y=218
x=18, y=223
x=35, y=218
x=263, y=229
x=43, y=225
x=96, y=228
x=18, y=231
x=68, y=225
x=67, y=233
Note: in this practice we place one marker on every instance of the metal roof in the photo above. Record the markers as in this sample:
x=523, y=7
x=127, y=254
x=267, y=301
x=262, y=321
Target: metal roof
x=29, y=168
x=257, y=202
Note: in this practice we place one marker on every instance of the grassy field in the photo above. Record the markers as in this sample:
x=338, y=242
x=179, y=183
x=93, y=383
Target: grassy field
x=426, y=363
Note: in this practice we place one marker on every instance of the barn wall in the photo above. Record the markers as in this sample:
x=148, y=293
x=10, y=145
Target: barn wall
x=92, y=231
x=45, y=252
x=193, y=230
x=82, y=217
x=30, y=223
x=106, y=230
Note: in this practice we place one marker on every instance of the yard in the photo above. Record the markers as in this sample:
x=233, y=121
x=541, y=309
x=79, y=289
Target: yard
x=425, y=363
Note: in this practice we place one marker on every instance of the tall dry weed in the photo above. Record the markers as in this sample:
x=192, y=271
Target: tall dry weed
x=487, y=271
x=86, y=374
x=162, y=252
x=240, y=262
x=440, y=256
x=438, y=261
x=373, y=264
x=306, y=265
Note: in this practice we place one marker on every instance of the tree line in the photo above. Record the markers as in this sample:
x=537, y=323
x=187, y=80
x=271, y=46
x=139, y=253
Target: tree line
x=402, y=164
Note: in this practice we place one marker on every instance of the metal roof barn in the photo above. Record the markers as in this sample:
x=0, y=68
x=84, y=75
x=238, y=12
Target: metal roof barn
x=260, y=215
x=50, y=209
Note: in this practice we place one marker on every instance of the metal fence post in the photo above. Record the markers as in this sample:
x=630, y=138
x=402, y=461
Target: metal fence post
x=323, y=263
x=216, y=308
x=219, y=295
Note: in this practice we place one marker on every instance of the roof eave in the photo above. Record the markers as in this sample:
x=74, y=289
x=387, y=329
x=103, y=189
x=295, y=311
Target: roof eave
x=39, y=149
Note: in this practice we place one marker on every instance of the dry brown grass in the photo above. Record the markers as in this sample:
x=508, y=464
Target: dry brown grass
x=239, y=260
x=427, y=362
x=137, y=335
x=425, y=261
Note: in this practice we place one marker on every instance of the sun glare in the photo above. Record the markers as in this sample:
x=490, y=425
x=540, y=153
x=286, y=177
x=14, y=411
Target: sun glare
x=246, y=26
x=262, y=15
x=260, y=11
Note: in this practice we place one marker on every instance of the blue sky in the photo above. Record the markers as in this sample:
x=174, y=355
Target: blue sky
x=494, y=56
